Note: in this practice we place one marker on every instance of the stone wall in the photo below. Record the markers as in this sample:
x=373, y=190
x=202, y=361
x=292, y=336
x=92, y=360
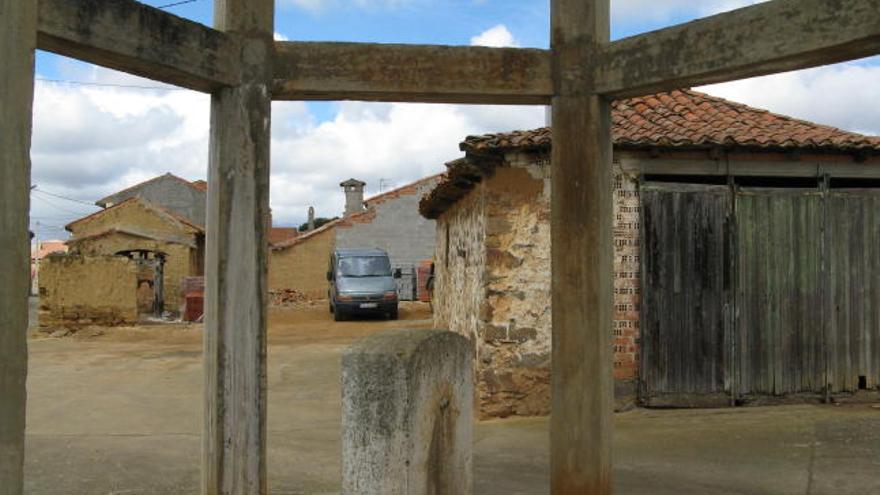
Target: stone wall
x=302, y=267
x=395, y=226
x=503, y=301
x=460, y=267
x=514, y=367
x=77, y=291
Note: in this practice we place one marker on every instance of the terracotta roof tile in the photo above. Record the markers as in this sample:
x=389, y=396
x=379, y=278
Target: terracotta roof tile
x=690, y=119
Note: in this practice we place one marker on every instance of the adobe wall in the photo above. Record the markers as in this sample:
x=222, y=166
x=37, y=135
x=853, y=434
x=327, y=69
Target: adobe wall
x=303, y=266
x=78, y=291
x=179, y=262
x=396, y=226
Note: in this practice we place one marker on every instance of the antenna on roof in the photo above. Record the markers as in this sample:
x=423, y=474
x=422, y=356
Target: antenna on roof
x=385, y=184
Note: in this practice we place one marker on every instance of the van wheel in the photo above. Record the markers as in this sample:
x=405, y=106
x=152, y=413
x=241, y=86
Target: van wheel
x=338, y=315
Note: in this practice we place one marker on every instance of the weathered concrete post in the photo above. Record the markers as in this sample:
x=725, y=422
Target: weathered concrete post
x=582, y=405
x=234, y=437
x=407, y=414
x=18, y=37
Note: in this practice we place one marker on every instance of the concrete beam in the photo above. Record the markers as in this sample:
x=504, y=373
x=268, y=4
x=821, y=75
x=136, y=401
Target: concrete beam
x=777, y=36
x=581, y=256
x=129, y=36
x=17, y=43
x=234, y=437
x=412, y=73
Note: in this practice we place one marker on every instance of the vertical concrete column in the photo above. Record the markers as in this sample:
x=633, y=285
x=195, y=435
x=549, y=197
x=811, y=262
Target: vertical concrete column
x=407, y=414
x=234, y=437
x=582, y=243
x=18, y=36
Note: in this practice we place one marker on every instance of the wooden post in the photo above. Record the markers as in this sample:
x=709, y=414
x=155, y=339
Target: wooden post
x=581, y=422
x=234, y=437
x=18, y=37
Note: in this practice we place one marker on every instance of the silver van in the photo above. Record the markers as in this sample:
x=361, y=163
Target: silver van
x=362, y=282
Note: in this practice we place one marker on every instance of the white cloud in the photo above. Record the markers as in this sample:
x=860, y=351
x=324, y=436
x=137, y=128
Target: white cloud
x=634, y=11
x=318, y=6
x=280, y=37
x=843, y=95
x=498, y=36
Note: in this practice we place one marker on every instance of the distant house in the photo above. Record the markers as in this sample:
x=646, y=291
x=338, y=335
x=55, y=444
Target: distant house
x=746, y=257
x=388, y=221
x=39, y=251
x=169, y=243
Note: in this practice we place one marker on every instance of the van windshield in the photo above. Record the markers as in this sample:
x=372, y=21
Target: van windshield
x=364, y=266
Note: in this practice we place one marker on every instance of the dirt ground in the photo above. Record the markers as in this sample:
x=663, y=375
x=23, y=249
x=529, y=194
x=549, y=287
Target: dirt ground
x=119, y=411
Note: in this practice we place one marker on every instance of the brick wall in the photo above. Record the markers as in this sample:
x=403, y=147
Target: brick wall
x=627, y=269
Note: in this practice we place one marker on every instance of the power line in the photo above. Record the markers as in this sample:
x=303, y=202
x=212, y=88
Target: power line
x=60, y=208
x=64, y=197
x=108, y=85
x=175, y=4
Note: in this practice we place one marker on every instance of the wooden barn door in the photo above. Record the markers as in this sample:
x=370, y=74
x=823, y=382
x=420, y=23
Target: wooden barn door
x=686, y=284
x=853, y=240
x=780, y=298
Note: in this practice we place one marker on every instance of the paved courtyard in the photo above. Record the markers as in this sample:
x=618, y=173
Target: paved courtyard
x=119, y=411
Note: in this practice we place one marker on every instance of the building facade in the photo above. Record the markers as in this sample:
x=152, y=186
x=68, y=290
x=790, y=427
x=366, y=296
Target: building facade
x=389, y=221
x=743, y=305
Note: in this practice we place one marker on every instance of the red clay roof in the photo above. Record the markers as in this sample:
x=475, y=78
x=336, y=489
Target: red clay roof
x=689, y=119
x=281, y=234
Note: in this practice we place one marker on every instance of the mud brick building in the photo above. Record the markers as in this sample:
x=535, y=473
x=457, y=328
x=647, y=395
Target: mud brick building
x=388, y=221
x=746, y=257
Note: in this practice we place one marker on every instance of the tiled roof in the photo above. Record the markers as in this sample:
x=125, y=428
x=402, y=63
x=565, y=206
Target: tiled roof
x=198, y=185
x=689, y=119
x=281, y=234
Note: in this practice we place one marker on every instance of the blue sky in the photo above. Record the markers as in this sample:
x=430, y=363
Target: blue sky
x=96, y=138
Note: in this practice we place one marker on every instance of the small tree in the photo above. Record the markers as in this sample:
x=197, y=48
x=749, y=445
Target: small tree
x=318, y=223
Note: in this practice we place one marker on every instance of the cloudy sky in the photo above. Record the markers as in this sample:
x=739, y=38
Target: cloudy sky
x=97, y=131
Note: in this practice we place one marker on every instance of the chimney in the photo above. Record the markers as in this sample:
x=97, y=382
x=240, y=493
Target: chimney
x=311, y=218
x=354, y=195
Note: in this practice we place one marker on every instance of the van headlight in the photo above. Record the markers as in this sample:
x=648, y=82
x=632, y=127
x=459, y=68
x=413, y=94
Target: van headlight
x=391, y=295
x=344, y=297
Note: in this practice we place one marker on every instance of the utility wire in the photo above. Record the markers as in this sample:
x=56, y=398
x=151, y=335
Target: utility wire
x=109, y=85
x=175, y=4
x=64, y=197
x=60, y=208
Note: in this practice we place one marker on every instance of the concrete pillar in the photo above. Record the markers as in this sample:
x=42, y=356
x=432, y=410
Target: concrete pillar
x=234, y=436
x=407, y=414
x=311, y=226
x=17, y=43
x=582, y=246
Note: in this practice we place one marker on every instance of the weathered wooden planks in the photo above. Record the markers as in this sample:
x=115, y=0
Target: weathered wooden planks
x=413, y=73
x=685, y=342
x=234, y=438
x=17, y=42
x=132, y=37
x=582, y=250
x=853, y=240
x=779, y=301
x=773, y=37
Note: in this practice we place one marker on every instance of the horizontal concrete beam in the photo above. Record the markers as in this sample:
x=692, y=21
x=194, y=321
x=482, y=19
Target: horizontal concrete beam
x=412, y=73
x=131, y=37
x=777, y=36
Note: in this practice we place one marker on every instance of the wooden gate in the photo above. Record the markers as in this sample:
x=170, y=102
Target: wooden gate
x=779, y=297
x=685, y=338
x=773, y=293
x=853, y=240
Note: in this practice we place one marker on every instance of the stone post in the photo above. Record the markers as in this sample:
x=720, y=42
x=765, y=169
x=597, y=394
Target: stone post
x=407, y=414
x=18, y=35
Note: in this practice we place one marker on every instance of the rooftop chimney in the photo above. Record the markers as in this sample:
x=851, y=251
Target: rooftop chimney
x=354, y=195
